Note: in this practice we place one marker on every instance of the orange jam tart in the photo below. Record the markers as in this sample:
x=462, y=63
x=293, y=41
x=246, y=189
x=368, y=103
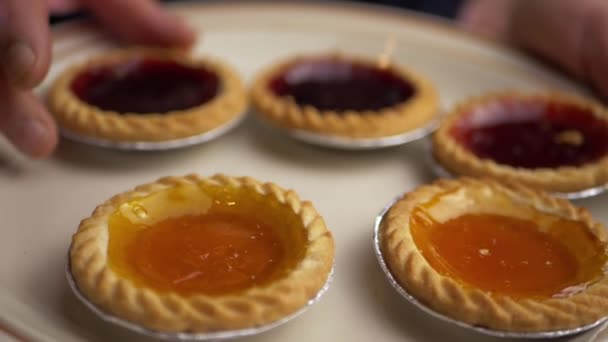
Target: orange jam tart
x=499, y=256
x=508, y=255
x=146, y=95
x=201, y=254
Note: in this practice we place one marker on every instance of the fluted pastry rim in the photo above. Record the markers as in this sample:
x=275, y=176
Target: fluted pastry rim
x=474, y=306
x=457, y=159
x=416, y=112
x=170, y=312
x=76, y=116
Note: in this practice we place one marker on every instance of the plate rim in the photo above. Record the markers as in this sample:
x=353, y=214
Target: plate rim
x=404, y=17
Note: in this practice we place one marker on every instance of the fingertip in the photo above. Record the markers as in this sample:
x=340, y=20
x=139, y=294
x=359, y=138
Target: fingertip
x=166, y=30
x=187, y=39
x=182, y=34
x=26, y=123
x=48, y=140
x=38, y=139
x=33, y=137
x=148, y=23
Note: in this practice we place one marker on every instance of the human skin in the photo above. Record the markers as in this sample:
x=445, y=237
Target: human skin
x=571, y=34
x=25, y=53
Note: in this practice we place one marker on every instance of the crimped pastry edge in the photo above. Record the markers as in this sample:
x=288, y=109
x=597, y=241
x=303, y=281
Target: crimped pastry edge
x=170, y=312
x=77, y=116
x=458, y=160
x=476, y=307
x=421, y=109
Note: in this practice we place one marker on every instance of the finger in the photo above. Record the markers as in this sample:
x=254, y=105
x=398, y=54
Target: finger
x=26, y=122
x=594, y=50
x=583, y=38
x=63, y=6
x=141, y=22
x=25, y=43
x=541, y=38
x=489, y=19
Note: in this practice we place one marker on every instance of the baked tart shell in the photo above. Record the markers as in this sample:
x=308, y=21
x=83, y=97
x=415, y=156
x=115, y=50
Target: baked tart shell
x=459, y=160
x=474, y=306
x=416, y=112
x=168, y=311
x=78, y=117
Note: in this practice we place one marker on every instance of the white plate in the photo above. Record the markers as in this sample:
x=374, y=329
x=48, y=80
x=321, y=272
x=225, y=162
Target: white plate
x=41, y=203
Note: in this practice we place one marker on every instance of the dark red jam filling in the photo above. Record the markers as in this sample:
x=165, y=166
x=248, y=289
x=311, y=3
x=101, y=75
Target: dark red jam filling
x=329, y=84
x=533, y=134
x=146, y=86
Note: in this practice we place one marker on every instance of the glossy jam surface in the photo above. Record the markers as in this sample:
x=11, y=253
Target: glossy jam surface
x=529, y=254
x=331, y=84
x=206, y=241
x=533, y=134
x=146, y=86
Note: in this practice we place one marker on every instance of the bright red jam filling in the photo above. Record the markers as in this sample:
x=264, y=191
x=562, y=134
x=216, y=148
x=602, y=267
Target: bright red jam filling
x=330, y=84
x=146, y=86
x=533, y=134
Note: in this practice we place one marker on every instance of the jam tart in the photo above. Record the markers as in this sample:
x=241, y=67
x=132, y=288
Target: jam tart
x=344, y=96
x=498, y=255
x=552, y=141
x=146, y=95
x=200, y=255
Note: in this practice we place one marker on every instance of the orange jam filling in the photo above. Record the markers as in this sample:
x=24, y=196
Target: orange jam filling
x=529, y=254
x=204, y=240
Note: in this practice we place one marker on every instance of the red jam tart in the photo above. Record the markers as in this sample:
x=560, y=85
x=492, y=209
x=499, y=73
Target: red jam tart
x=193, y=254
x=498, y=255
x=344, y=96
x=146, y=95
x=146, y=86
x=555, y=142
x=332, y=85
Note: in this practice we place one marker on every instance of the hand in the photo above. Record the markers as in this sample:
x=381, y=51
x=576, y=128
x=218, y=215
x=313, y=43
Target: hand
x=571, y=34
x=25, y=52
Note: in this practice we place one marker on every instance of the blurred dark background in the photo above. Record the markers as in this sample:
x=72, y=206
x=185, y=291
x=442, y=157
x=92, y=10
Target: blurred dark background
x=443, y=8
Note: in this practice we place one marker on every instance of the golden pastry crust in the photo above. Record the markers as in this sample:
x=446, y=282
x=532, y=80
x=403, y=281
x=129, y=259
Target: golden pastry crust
x=77, y=116
x=416, y=112
x=459, y=160
x=171, y=312
x=501, y=312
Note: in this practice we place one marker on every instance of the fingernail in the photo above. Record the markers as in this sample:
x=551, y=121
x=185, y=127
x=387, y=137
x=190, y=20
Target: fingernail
x=30, y=136
x=18, y=59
